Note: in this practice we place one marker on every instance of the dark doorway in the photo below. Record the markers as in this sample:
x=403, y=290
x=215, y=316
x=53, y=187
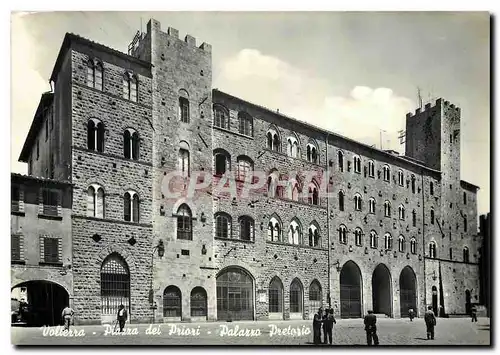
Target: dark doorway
x=435, y=300
x=408, y=291
x=43, y=303
x=382, y=290
x=350, y=291
x=234, y=295
x=467, y=302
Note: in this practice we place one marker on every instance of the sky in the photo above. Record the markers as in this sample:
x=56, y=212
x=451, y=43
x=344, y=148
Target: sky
x=354, y=73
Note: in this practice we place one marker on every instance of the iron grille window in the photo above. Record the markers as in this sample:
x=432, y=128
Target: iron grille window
x=51, y=250
x=184, y=109
x=172, y=306
x=184, y=223
x=234, y=295
x=115, y=284
x=222, y=225
x=295, y=298
x=198, y=302
x=16, y=247
x=314, y=292
x=50, y=202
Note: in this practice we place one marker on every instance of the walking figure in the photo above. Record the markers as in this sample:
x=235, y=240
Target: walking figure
x=371, y=328
x=473, y=313
x=411, y=314
x=328, y=322
x=67, y=315
x=121, y=317
x=430, y=322
x=317, y=320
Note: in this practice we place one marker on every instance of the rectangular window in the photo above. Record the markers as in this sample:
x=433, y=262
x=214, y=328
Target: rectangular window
x=184, y=109
x=465, y=198
x=184, y=162
x=16, y=247
x=98, y=78
x=50, y=250
x=126, y=89
x=184, y=252
x=15, y=198
x=133, y=91
x=50, y=202
x=451, y=254
x=90, y=76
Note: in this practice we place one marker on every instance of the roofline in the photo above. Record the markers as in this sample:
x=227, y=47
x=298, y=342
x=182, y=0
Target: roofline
x=71, y=37
x=36, y=124
x=468, y=185
x=40, y=179
x=336, y=135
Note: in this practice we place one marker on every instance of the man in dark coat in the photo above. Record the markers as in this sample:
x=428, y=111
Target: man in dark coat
x=317, y=320
x=328, y=321
x=430, y=322
x=121, y=317
x=411, y=314
x=473, y=313
x=371, y=328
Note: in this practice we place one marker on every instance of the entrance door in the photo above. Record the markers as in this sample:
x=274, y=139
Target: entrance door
x=407, y=290
x=467, y=302
x=350, y=291
x=435, y=300
x=382, y=290
x=234, y=295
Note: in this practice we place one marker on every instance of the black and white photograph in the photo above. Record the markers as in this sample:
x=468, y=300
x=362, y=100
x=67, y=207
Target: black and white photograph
x=275, y=178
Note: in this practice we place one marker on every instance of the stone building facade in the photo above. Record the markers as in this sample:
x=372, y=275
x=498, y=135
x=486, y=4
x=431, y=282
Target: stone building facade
x=285, y=217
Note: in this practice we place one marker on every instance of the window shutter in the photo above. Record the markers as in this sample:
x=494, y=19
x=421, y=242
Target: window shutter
x=21, y=199
x=42, y=248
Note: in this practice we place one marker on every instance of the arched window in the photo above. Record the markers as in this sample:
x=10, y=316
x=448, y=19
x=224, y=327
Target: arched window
x=245, y=124
x=358, y=236
x=246, y=228
x=414, y=218
x=295, y=232
x=184, y=223
x=95, y=201
x=413, y=183
x=314, y=236
x=273, y=140
x=130, y=87
x=198, y=302
x=272, y=184
x=131, y=206
x=465, y=223
x=315, y=295
x=341, y=200
x=94, y=74
x=222, y=225
x=342, y=234
x=432, y=215
x=274, y=230
x=184, y=159
x=312, y=153
x=293, y=147
x=184, y=109
x=221, y=117
x=387, y=173
x=371, y=204
x=293, y=192
x=275, y=296
x=371, y=169
x=402, y=244
x=357, y=164
x=245, y=168
x=413, y=245
x=313, y=194
x=432, y=250
x=341, y=160
x=387, y=209
x=357, y=202
x=296, y=296
x=432, y=188
x=115, y=284
x=466, y=254
x=222, y=162
x=95, y=135
x=401, y=212
x=373, y=240
x=172, y=302
x=401, y=178
x=131, y=144
x=388, y=241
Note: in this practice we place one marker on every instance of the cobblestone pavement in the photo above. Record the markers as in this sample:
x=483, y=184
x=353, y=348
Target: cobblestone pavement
x=453, y=331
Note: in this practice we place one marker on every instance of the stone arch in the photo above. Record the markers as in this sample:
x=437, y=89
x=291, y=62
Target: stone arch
x=127, y=256
x=382, y=290
x=242, y=282
x=184, y=200
x=351, y=286
x=408, y=291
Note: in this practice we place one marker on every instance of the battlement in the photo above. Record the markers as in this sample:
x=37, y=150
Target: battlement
x=428, y=106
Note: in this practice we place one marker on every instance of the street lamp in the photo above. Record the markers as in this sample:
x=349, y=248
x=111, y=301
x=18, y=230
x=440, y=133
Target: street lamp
x=161, y=251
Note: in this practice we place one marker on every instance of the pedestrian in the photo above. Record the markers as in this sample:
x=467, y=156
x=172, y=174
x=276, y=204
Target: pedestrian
x=317, y=320
x=325, y=325
x=411, y=314
x=371, y=328
x=473, y=313
x=121, y=317
x=430, y=322
x=67, y=316
x=329, y=321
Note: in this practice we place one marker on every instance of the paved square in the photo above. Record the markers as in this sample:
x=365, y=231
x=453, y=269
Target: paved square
x=454, y=331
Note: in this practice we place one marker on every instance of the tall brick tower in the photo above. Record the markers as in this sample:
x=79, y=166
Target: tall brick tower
x=182, y=142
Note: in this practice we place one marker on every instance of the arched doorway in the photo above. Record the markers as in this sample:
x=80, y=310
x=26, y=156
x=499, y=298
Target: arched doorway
x=296, y=299
x=467, y=302
x=172, y=302
x=38, y=303
x=382, y=290
x=115, y=286
x=199, y=303
x=234, y=295
x=275, y=298
x=408, y=291
x=350, y=291
x=435, y=300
